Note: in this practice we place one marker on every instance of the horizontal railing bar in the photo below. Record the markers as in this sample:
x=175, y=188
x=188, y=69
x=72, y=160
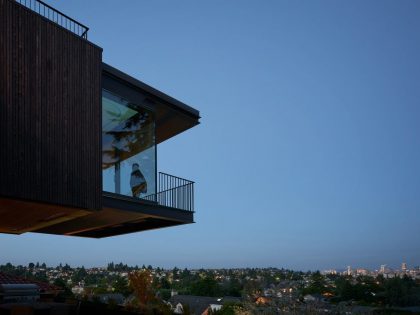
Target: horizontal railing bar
x=166, y=190
x=187, y=180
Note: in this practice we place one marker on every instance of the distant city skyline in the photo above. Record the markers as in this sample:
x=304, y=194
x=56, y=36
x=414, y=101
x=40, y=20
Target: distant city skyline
x=346, y=270
x=379, y=268
x=307, y=155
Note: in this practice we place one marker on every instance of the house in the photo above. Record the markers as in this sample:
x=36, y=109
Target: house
x=262, y=300
x=313, y=298
x=107, y=298
x=178, y=309
x=25, y=296
x=79, y=137
x=18, y=289
x=18, y=293
x=198, y=305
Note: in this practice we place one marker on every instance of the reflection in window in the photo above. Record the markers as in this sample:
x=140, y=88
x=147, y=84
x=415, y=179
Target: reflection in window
x=128, y=147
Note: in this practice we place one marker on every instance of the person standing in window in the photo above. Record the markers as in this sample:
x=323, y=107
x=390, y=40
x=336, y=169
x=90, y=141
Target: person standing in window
x=138, y=183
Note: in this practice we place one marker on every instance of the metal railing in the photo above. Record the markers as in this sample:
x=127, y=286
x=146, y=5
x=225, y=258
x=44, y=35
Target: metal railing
x=56, y=16
x=174, y=192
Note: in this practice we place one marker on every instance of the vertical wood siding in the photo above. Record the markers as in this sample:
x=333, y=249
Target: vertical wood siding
x=50, y=111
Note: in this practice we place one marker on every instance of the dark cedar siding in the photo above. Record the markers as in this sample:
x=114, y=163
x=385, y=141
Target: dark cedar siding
x=50, y=111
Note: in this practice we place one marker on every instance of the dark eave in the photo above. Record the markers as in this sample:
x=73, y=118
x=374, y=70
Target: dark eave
x=20, y=216
x=172, y=102
x=172, y=116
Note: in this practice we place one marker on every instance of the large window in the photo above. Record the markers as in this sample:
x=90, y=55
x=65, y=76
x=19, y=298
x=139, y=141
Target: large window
x=128, y=147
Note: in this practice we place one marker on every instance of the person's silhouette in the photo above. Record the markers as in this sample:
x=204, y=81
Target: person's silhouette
x=137, y=181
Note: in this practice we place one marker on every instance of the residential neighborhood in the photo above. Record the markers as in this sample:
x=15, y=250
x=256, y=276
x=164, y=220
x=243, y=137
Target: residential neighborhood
x=217, y=291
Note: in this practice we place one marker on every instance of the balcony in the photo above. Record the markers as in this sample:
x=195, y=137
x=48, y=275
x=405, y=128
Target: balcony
x=173, y=204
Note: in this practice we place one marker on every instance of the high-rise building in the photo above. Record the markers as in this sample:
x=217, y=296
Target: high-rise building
x=329, y=272
x=362, y=272
x=349, y=270
x=403, y=267
x=382, y=270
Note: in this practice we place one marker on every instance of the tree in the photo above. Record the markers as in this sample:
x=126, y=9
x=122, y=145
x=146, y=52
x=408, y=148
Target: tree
x=252, y=288
x=398, y=291
x=206, y=287
x=234, y=288
x=175, y=273
x=79, y=275
x=229, y=309
x=344, y=289
x=120, y=285
x=185, y=273
x=66, y=290
x=141, y=282
x=41, y=276
x=66, y=267
x=317, y=284
x=164, y=283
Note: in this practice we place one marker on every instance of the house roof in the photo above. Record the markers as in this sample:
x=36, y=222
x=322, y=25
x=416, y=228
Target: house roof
x=44, y=287
x=198, y=304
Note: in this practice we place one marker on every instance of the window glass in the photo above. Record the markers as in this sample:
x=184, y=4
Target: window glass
x=128, y=147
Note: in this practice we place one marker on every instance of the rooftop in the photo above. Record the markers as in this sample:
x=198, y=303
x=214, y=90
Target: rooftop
x=44, y=287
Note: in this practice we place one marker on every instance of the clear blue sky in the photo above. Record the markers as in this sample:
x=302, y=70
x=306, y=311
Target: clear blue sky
x=308, y=154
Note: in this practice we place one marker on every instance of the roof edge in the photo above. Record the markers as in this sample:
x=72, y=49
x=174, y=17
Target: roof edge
x=143, y=86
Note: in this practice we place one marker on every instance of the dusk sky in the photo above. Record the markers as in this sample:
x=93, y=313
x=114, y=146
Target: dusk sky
x=308, y=151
